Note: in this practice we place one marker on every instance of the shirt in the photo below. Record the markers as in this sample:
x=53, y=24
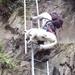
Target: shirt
x=44, y=16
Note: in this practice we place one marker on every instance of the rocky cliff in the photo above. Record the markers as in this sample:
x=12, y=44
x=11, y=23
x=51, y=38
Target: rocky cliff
x=62, y=56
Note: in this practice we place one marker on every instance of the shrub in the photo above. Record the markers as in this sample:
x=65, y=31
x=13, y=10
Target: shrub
x=5, y=60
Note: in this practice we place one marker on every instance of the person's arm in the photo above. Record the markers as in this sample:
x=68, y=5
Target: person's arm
x=38, y=17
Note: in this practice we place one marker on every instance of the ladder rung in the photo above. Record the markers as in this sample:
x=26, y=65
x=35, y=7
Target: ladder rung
x=30, y=2
x=30, y=12
x=28, y=17
x=37, y=60
x=33, y=22
x=31, y=7
x=40, y=70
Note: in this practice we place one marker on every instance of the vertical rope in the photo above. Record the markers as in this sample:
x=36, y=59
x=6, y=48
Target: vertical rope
x=37, y=13
x=32, y=57
x=25, y=25
x=47, y=68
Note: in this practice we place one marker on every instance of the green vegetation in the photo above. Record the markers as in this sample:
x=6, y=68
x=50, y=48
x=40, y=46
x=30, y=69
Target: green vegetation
x=5, y=60
x=0, y=1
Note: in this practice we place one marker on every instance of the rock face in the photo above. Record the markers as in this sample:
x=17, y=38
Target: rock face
x=62, y=56
x=61, y=62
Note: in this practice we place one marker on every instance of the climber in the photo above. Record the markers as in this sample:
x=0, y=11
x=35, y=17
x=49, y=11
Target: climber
x=50, y=22
x=44, y=17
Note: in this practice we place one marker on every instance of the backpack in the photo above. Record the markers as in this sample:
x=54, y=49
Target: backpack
x=56, y=20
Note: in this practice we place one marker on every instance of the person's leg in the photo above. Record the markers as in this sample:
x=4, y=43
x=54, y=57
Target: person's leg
x=54, y=29
x=46, y=56
x=43, y=55
x=39, y=55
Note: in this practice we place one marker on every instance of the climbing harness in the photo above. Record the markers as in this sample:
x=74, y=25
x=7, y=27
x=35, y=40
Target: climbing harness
x=48, y=28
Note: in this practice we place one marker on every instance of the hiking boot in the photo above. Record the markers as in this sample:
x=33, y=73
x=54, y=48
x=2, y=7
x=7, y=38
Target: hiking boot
x=45, y=58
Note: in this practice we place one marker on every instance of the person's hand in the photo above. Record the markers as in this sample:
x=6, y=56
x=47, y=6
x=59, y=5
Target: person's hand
x=41, y=19
x=31, y=18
